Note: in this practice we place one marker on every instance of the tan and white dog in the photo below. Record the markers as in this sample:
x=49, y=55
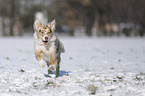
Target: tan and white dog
x=47, y=46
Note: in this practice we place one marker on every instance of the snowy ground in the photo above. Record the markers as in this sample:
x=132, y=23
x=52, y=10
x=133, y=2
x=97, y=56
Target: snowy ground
x=90, y=66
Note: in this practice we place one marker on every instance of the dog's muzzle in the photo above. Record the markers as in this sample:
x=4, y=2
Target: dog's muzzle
x=45, y=39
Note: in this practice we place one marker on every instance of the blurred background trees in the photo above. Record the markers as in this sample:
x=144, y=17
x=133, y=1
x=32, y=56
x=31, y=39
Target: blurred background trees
x=75, y=17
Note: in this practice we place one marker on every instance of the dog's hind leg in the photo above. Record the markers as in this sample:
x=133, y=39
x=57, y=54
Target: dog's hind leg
x=57, y=66
x=57, y=59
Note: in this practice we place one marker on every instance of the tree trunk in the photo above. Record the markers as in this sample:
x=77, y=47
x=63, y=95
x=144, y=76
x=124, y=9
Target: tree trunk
x=12, y=17
x=72, y=32
x=90, y=19
x=88, y=31
x=3, y=26
x=3, y=18
x=11, y=26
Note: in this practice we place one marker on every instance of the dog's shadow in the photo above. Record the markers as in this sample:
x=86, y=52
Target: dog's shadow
x=61, y=73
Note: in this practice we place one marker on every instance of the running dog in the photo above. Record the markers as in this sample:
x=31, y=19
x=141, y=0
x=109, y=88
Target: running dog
x=47, y=46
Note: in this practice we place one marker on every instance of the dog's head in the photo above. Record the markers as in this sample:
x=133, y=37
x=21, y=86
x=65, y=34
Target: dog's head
x=44, y=32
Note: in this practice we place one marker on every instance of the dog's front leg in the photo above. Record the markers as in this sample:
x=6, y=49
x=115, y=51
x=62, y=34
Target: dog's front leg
x=38, y=55
x=54, y=62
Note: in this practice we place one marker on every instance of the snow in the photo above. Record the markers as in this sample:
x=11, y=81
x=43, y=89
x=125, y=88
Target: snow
x=111, y=66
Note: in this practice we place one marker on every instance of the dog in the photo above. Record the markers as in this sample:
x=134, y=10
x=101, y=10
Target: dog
x=47, y=46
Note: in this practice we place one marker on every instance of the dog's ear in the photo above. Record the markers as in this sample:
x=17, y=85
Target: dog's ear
x=51, y=25
x=37, y=25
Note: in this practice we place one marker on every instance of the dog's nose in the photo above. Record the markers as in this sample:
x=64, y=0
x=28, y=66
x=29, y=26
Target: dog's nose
x=46, y=38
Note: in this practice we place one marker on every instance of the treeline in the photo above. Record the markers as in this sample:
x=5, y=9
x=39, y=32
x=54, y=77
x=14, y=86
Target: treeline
x=102, y=17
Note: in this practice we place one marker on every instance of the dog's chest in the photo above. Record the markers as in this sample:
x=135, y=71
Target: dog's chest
x=49, y=49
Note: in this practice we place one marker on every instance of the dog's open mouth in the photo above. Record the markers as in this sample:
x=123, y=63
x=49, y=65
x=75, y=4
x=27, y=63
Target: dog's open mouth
x=45, y=42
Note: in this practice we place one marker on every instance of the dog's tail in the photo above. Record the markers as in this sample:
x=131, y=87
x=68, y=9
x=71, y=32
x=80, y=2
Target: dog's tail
x=61, y=47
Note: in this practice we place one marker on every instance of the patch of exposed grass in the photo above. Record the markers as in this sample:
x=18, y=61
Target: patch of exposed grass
x=50, y=83
x=120, y=77
x=21, y=70
x=67, y=74
x=92, y=88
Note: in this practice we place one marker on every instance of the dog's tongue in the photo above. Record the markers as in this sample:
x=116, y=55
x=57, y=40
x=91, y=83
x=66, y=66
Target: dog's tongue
x=45, y=43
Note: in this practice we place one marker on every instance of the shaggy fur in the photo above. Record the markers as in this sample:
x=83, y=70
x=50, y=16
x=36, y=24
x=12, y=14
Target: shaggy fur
x=47, y=46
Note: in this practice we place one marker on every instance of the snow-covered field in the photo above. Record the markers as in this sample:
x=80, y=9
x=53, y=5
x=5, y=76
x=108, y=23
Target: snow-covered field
x=90, y=66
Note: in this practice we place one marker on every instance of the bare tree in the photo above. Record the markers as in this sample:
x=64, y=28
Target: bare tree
x=12, y=16
x=3, y=16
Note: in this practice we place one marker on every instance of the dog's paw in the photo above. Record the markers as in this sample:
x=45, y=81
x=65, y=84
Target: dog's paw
x=50, y=71
x=51, y=67
x=42, y=63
